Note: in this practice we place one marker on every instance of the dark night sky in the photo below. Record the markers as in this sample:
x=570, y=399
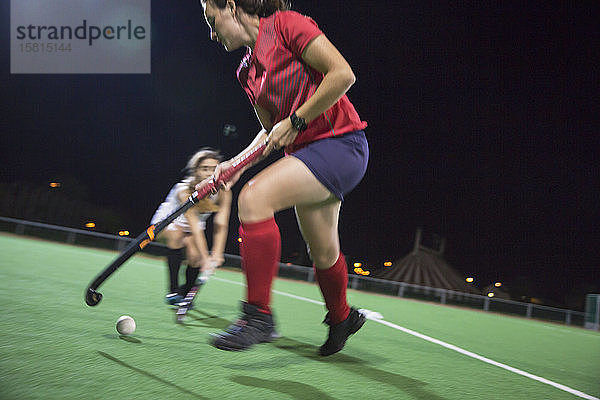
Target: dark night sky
x=483, y=127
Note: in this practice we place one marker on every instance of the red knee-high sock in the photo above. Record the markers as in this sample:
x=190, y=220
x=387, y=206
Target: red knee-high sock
x=333, y=283
x=261, y=252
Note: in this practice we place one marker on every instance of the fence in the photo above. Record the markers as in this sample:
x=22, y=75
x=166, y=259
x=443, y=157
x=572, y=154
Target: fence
x=298, y=272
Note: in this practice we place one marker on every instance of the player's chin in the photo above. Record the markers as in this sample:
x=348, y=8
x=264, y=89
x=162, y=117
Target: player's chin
x=229, y=47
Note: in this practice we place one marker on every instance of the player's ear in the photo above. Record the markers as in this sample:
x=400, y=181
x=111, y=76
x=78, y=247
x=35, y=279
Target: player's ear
x=231, y=6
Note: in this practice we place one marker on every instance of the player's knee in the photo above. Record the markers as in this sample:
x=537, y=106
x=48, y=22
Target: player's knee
x=324, y=259
x=249, y=204
x=196, y=262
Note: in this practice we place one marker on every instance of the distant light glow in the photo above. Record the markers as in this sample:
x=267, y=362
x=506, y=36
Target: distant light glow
x=54, y=184
x=491, y=294
x=498, y=284
x=357, y=265
x=90, y=225
x=469, y=279
x=123, y=233
x=360, y=271
x=387, y=264
x=240, y=239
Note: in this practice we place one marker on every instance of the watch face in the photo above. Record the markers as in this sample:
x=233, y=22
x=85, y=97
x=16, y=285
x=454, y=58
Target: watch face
x=298, y=123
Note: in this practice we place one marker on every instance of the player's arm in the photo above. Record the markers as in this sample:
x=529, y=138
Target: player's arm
x=220, y=228
x=197, y=234
x=338, y=77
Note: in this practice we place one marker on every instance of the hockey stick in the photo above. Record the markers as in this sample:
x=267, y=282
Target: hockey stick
x=93, y=297
x=185, y=304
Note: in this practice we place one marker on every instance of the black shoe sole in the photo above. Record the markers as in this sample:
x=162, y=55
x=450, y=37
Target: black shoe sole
x=359, y=324
x=220, y=342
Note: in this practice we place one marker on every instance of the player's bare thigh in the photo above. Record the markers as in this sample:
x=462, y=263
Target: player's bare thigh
x=174, y=238
x=282, y=185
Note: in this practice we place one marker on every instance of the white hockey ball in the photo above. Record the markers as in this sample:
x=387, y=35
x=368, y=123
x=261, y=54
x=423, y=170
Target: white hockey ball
x=125, y=325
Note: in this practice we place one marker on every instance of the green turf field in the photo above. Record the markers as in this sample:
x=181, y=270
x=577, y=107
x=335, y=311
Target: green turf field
x=53, y=346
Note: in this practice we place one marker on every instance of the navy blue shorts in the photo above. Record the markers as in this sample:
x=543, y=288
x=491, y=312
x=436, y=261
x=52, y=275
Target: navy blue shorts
x=338, y=162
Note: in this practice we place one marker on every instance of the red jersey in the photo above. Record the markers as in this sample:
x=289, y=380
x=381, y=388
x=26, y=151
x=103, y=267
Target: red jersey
x=276, y=78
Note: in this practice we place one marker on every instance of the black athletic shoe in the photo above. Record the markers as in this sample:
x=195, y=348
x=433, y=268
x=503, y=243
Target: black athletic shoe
x=252, y=328
x=339, y=333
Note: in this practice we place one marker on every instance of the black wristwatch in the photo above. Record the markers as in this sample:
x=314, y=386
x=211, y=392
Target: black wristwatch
x=297, y=122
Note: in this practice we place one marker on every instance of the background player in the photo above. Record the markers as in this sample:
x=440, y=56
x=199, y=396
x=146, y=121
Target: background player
x=185, y=236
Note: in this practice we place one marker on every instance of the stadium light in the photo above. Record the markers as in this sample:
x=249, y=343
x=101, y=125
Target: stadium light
x=491, y=294
x=357, y=265
x=90, y=225
x=498, y=284
x=469, y=280
x=387, y=264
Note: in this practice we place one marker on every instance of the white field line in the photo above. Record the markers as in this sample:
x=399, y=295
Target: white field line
x=487, y=360
x=374, y=317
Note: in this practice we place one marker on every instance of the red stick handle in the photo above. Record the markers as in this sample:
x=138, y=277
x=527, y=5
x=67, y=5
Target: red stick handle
x=236, y=167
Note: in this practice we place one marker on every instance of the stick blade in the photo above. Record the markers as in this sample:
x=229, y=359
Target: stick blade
x=92, y=297
x=186, y=304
